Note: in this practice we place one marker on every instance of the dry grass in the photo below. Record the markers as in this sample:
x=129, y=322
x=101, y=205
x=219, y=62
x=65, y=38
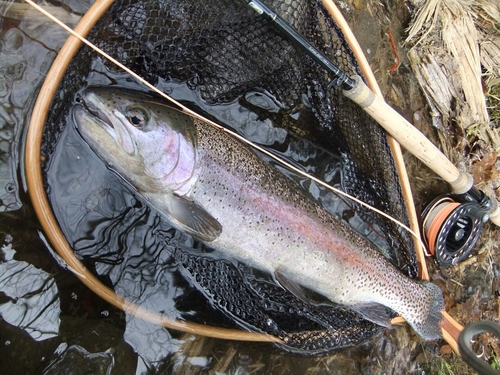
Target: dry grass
x=451, y=44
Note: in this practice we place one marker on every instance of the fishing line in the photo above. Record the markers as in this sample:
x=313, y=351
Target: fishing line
x=220, y=127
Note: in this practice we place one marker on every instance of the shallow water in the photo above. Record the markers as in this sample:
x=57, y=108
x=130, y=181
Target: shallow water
x=51, y=321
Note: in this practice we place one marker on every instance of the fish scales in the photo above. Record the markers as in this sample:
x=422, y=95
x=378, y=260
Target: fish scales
x=238, y=204
x=295, y=229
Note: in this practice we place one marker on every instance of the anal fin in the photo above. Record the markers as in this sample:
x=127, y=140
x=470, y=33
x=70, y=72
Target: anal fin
x=374, y=312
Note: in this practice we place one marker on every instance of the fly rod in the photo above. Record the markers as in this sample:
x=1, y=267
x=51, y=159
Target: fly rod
x=396, y=125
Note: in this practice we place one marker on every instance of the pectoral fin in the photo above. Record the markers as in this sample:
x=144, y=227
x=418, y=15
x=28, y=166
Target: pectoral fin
x=192, y=218
x=291, y=286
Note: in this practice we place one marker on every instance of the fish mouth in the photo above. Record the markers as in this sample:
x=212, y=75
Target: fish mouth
x=91, y=106
x=98, y=120
x=94, y=106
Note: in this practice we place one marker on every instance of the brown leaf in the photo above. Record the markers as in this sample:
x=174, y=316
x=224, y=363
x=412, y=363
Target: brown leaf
x=484, y=170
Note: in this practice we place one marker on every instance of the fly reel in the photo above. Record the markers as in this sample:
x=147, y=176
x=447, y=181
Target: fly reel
x=452, y=225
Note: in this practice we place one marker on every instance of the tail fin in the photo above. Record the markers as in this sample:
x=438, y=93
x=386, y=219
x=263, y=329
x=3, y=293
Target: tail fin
x=426, y=317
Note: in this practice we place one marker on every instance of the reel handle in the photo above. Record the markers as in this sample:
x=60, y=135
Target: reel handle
x=495, y=212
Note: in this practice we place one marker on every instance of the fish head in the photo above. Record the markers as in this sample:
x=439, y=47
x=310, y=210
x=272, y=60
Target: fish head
x=145, y=141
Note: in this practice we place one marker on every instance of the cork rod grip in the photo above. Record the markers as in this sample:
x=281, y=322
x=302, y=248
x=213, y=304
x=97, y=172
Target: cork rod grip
x=408, y=136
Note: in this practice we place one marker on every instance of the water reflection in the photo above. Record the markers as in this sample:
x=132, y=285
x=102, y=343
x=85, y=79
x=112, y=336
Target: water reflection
x=11, y=71
x=75, y=360
x=152, y=342
x=33, y=303
x=28, y=47
x=39, y=303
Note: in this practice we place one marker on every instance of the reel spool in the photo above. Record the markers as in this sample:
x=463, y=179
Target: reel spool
x=452, y=225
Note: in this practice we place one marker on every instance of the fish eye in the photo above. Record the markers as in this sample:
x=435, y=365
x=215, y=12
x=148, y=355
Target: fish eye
x=137, y=116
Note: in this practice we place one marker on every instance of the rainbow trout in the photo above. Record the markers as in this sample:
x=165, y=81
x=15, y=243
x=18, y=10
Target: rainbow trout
x=211, y=186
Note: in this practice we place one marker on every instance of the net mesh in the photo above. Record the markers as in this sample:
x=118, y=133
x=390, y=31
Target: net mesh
x=264, y=306
x=222, y=49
